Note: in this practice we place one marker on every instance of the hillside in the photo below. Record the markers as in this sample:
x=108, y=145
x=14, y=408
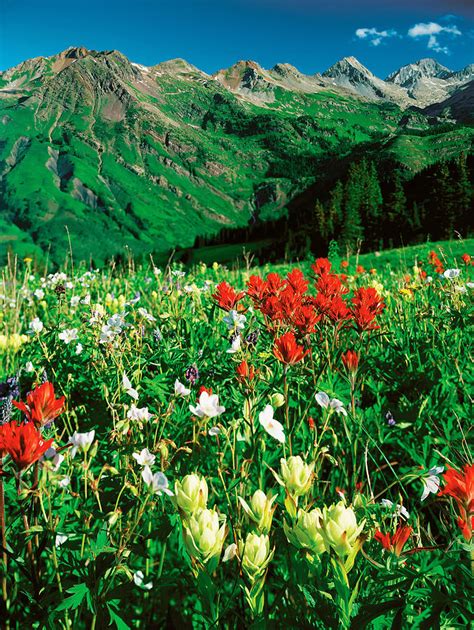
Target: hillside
x=146, y=159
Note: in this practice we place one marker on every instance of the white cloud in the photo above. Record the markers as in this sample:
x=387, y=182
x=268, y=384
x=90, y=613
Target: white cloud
x=431, y=30
x=373, y=36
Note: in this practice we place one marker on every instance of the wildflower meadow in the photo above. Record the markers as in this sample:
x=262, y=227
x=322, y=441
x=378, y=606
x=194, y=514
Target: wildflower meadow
x=250, y=447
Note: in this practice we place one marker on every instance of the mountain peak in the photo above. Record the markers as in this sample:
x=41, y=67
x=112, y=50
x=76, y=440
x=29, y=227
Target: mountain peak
x=347, y=66
x=426, y=68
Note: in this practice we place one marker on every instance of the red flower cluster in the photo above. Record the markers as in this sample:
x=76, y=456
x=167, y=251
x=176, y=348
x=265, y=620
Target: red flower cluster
x=41, y=405
x=226, y=296
x=467, y=259
x=245, y=373
x=350, y=360
x=287, y=350
x=435, y=262
x=287, y=303
x=394, y=543
x=460, y=486
x=23, y=442
x=367, y=304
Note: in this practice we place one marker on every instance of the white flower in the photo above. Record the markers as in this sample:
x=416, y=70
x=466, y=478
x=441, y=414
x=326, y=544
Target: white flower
x=430, y=481
x=65, y=481
x=60, y=540
x=36, y=325
x=398, y=509
x=450, y=274
x=128, y=387
x=338, y=406
x=144, y=458
x=74, y=301
x=29, y=367
x=81, y=441
x=235, y=346
x=208, y=406
x=68, y=335
x=39, y=294
x=230, y=552
x=470, y=285
x=86, y=299
x=322, y=399
x=180, y=389
x=235, y=320
x=140, y=414
x=271, y=426
x=146, y=315
x=138, y=578
x=213, y=431
x=157, y=483
x=79, y=348
x=56, y=457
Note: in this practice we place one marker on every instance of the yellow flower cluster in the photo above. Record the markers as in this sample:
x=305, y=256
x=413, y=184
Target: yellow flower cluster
x=12, y=342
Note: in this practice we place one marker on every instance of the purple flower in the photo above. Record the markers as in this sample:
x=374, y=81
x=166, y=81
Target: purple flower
x=192, y=374
x=390, y=419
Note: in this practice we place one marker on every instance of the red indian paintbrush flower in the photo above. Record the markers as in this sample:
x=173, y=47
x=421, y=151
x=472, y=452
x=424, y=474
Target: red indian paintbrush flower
x=287, y=350
x=227, y=297
x=41, y=405
x=23, y=442
x=245, y=373
x=460, y=486
x=350, y=359
x=396, y=542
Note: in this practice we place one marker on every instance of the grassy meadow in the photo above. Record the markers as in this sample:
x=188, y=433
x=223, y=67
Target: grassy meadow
x=238, y=447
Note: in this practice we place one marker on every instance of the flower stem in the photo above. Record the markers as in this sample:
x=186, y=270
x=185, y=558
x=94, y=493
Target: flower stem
x=3, y=537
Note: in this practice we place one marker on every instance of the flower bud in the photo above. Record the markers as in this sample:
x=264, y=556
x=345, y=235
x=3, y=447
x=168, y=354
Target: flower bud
x=191, y=494
x=255, y=554
x=203, y=535
x=307, y=533
x=296, y=475
x=260, y=510
x=277, y=400
x=340, y=528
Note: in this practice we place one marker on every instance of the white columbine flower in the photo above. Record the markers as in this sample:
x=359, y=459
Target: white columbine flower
x=39, y=294
x=450, y=274
x=208, y=406
x=68, y=335
x=430, y=481
x=81, y=441
x=398, y=509
x=157, y=483
x=235, y=320
x=180, y=389
x=144, y=458
x=36, y=325
x=138, y=578
x=128, y=387
x=271, y=426
x=141, y=414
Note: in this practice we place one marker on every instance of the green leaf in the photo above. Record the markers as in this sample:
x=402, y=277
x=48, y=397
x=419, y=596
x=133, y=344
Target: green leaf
x=78, y=592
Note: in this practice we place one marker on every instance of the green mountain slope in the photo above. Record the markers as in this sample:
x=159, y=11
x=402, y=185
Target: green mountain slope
x=147, y=159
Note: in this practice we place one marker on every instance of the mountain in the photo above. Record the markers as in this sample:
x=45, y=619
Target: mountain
x=428, y=82
x=146, y=159
x=351, y=74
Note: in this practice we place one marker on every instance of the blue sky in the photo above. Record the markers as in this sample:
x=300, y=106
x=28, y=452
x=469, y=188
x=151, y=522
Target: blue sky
x=212, y=34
